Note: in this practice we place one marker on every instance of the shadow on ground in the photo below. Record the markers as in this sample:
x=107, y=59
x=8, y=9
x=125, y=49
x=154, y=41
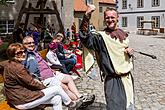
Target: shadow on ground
x=163, y=37
x=95, y=106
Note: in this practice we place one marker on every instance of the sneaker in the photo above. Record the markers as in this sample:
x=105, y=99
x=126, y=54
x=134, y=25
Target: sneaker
x=75, y=105
x=87, y=100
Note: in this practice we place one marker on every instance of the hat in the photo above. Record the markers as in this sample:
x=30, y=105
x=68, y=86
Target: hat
x=60, y=35
x=73, y=43
x=53, y=45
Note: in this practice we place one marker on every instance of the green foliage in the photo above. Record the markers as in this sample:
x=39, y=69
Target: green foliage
x=3, y=2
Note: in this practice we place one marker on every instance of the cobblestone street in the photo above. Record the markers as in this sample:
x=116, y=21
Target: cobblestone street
x=149, y=74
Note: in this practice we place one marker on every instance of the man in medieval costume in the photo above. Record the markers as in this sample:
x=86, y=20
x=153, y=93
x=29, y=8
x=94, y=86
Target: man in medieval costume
x=113, y=56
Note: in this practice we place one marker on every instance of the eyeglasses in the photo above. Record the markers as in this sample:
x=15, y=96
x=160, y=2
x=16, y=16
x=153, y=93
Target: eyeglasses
x=29, y=43
x=19, y=53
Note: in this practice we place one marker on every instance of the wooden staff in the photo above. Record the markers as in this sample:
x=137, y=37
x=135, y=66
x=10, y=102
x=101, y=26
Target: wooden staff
x=142, y=53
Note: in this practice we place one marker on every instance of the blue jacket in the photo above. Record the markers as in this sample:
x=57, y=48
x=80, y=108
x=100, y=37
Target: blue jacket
x=31, y=64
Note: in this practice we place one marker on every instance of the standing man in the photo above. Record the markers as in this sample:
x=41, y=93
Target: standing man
x=113, y=57
x=36, y=36
x=19, y=33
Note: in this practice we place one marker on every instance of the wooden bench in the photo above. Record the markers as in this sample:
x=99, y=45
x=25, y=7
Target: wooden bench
x=43, y=53
x=4, y=106
x=147, y=31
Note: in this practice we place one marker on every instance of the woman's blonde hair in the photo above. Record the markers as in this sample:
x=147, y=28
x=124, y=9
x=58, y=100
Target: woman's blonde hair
x=12, y=49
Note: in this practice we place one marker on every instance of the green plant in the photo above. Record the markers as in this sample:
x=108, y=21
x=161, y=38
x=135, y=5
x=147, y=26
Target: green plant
x=3, y=2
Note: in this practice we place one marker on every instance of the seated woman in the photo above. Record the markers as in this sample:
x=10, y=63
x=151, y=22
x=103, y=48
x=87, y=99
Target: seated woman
x=53, y=60
x=66, y=57
x=23, y=91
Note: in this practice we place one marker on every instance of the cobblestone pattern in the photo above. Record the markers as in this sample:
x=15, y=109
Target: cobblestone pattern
x=149, y=74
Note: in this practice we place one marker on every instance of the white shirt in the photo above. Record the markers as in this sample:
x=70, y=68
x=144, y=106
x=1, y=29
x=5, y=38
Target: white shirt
x=52, y=58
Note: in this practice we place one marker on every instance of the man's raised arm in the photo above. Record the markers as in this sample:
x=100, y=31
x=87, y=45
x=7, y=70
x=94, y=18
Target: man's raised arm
x=85, y=22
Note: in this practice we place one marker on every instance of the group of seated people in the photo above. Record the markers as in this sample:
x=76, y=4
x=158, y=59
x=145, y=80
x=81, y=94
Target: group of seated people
x=66, y=57
x=30, y=81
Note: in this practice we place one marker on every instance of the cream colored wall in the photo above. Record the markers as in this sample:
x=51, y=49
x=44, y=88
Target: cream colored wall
x=77, y=24
x=95, y=16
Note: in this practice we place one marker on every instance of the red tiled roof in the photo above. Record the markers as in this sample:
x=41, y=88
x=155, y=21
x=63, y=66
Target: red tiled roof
x=79, y=5
x=107, y=1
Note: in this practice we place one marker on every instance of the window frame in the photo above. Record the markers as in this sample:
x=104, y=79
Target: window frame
x=139, y=19
x=89, y=1
x=124, y=4
x=157, y=21
x=79, y=21
x=7, y=27
x=100, y=9
x=124, y=21
x=10, y=1
x=140, y=3
x=155, y=3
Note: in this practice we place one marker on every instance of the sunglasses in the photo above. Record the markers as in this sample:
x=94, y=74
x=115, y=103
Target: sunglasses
x=29, y=43
x=19, y=53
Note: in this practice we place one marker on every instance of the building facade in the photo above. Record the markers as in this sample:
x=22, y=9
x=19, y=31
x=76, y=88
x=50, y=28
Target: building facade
x=80, y=7
x=9, y=14
x=70, y=11
x=97, y=19
x=134, y=12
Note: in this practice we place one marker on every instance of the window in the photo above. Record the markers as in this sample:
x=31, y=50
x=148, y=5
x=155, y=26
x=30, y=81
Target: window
x=100, y=9
x=79, y=21
x=89, y=1
x=155, y=3
x=124, y=4
x=6, y=26
x=157, y=21
x=140, y=3
x=62, y=3
x=10, y=1
x=124, y=21
x=139, y=19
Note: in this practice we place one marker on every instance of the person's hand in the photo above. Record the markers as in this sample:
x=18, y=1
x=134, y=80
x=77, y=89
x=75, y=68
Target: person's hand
x=38, y=81
x=69, y=51
x=129, y=50
x=90, y=9
x=67, y=55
